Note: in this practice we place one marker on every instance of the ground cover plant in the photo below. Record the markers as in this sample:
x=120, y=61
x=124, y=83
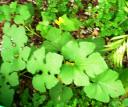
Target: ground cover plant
x=63, y=53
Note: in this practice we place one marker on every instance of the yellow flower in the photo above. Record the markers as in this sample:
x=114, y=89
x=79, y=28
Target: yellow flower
x=59, y=21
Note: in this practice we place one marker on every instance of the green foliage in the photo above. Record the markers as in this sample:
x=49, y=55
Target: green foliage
x=20, y=13
x=60, y=95
x=110, y=17
x=105, y=85
x=44, y=64
x=6, y=95
x=68, y=24
x=35, y=101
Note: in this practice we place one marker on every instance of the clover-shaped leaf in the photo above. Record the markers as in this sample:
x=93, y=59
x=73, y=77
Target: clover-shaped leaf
x=105, y=85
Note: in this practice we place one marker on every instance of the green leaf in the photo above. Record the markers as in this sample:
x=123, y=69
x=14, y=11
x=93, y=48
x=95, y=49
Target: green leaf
x=95, y=65
x=25, y=97
x=70, y=50
x=49, y=46
x=23, y=16
x=71, y=73
x=53, y=34
x=40, y=81
x=6, y=12
x=6, y=95
x=74, y=71
x=17, y=35
x=13, y=7
x=124, y=77
x=38, y=99
x=6, y=68
x=66, y=74
x=80, y=78
x=13, y=79
x=50, y=81
x=125, y=102
x=69, y=24
x=37, y=59
x=104, y=86
x=18, y=64
x=77, y=51
x=16, y=56
x=43, y=27
x=57, y=38
x=54, y=62
x=60, y=94
x=25, y=53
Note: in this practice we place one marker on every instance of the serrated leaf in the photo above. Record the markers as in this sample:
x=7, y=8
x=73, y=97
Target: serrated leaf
x=104, y=86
